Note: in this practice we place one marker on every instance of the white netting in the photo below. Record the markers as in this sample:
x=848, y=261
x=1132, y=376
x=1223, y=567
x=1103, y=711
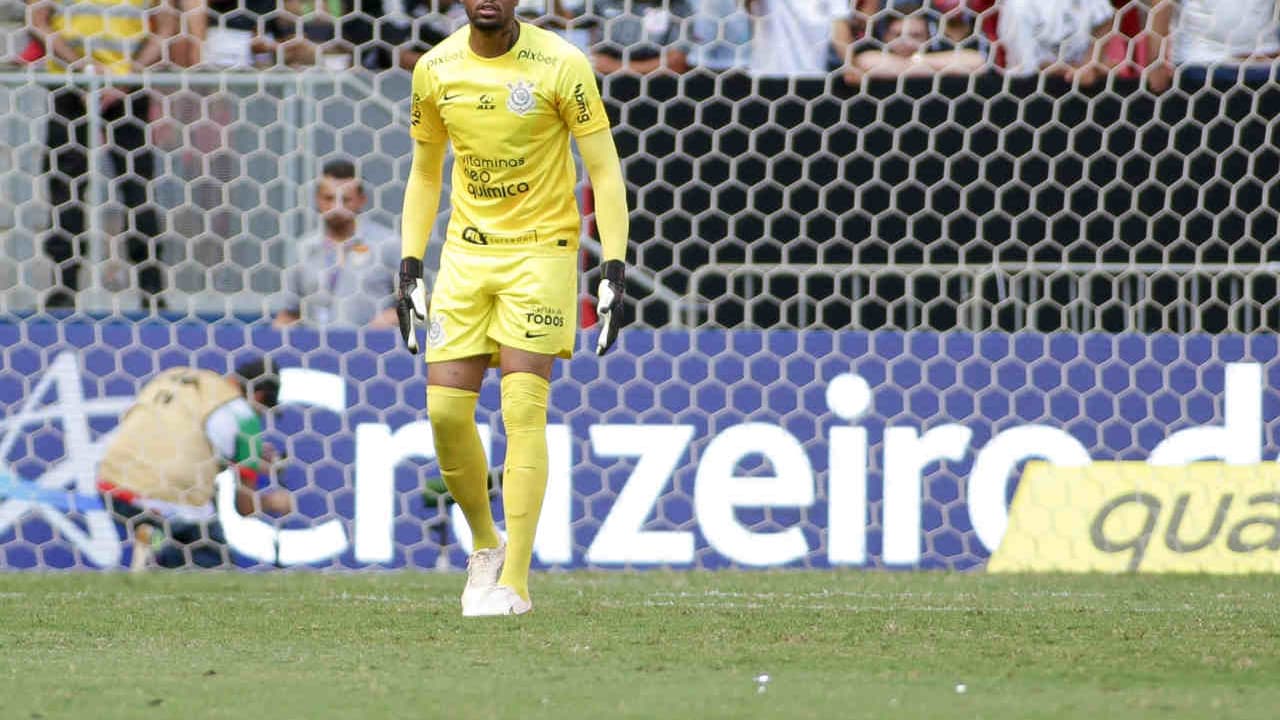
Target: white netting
x=957, y=202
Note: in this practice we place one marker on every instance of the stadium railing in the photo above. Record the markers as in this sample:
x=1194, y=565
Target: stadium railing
x=1009, y=296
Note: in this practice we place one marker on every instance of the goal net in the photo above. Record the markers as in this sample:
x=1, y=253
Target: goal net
x=860, y=313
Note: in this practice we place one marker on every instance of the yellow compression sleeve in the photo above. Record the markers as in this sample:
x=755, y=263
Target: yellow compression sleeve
x=465, y=468
x=524, y=412
x=421, y=198
x=605, y=170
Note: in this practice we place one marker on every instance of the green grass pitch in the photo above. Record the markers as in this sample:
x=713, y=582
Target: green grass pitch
x=640, y=645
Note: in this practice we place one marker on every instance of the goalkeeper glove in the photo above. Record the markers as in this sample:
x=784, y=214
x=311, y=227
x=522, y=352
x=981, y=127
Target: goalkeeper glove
x=610, y=292
x=411, y=301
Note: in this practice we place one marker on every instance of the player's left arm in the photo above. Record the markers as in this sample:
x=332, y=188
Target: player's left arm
x=600, y=157
x=583, y=112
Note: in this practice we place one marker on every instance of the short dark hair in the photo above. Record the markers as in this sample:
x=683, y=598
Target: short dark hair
x=343, y=170
x=259, y=375
x=340, y=169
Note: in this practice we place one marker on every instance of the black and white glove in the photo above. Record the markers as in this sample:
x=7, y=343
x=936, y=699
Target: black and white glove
x=411, y=301
x=612, y=285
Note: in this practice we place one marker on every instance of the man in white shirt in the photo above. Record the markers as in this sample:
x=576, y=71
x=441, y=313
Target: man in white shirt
x=720, y=35
x=1227, y=38
x=1060, y=37
x=793, y=38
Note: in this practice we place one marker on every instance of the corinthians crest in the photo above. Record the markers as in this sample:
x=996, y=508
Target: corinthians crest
x=435, y=331
x=520, y=101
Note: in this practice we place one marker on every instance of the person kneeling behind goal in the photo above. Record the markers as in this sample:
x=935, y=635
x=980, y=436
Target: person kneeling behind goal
x=157, y=476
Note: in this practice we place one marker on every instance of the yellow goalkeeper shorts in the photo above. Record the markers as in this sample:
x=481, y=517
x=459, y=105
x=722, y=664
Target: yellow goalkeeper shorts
x=484, y=301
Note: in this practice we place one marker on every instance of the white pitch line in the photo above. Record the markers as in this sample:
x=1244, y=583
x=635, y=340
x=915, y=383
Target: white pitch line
x=829, y=607
x=829, y=594
x=825, y=594
x=228, y=599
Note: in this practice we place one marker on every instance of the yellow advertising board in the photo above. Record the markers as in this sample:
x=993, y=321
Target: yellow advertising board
x=1134, y=517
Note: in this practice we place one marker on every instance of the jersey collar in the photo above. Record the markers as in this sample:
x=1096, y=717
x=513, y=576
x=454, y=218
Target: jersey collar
x=524, y=33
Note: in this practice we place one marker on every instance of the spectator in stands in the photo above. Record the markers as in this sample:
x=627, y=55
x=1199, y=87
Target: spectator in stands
x=111, y=37
x=1060, y=37
x=344, y=271
x=1225, y=39
x=566, y=18
x=368, y=33
x=720, y=35
x=951, y=21
x=423, y=27
x=797, y=38
x=956, y=29
x=240, y=34
x=640, y=36
x=907, y=38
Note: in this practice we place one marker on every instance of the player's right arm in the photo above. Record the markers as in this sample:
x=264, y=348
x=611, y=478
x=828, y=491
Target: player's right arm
x=421, y=202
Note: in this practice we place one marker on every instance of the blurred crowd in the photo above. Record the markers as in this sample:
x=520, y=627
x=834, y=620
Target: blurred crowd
x=1079, y=40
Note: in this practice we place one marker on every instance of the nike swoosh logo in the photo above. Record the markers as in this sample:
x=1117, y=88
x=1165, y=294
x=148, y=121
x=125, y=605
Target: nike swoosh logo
x=533, y=336
x=447, y=97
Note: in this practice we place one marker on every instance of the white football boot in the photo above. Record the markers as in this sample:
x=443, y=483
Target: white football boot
x=483, y=569
x=500, y=600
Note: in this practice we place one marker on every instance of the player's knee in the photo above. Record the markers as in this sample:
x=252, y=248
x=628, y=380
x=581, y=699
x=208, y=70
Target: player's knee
x=451, y=410
x=524, y=401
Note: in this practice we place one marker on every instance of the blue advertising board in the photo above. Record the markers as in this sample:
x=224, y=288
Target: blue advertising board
x=683, y=449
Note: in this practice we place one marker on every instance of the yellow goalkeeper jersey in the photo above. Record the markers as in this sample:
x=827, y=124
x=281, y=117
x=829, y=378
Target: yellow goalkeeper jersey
x=509, y=119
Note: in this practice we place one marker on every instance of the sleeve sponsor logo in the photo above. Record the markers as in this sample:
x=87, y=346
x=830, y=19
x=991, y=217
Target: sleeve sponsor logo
x=580, y=102
x=415, y=110
x=1135, y=517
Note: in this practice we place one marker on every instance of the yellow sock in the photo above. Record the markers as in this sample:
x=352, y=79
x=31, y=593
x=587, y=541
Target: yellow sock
x=461, y=456
x=524, y=412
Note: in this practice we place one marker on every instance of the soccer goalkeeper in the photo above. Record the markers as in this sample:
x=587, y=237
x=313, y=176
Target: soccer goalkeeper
x=508, y=96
